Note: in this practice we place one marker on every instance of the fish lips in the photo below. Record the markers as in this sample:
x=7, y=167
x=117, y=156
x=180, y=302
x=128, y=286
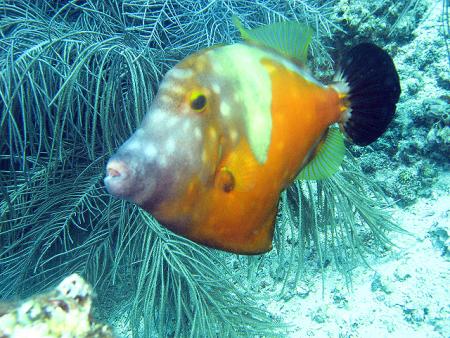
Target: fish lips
x=119, y=180
x=124, y=180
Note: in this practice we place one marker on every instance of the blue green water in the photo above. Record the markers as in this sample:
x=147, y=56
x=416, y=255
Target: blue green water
x=76, y=79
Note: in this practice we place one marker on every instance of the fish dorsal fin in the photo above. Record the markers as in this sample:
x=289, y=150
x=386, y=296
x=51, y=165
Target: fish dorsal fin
x=328, y=157
x=289, y=38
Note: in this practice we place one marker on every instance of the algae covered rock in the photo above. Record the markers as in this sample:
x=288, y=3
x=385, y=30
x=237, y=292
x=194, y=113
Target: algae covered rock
x=62, y=312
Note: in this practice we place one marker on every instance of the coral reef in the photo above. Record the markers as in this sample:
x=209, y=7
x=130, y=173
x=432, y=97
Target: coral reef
x=415, y=148
x=63, y=312
x=385, y=22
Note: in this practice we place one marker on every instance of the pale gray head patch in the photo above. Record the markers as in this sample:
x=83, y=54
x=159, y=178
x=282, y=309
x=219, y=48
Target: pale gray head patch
x=170, y=146
x=165, y=98
x=133, y=145
x=171, y=121
x=157, y=116
x=180, y=73
x=150, y=151
x=186, y=125
x=171, y=88
x=198, y=133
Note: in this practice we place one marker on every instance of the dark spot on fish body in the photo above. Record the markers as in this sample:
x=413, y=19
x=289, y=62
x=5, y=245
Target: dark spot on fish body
x=225, y=180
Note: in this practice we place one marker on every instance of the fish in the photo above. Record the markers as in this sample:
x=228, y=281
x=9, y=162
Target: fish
x=232, y=126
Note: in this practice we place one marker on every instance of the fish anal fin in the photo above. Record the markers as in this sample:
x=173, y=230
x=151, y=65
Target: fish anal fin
x=327, y=157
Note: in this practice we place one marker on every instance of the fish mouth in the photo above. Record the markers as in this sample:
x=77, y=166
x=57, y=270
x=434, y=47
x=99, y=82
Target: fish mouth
x=120, y=179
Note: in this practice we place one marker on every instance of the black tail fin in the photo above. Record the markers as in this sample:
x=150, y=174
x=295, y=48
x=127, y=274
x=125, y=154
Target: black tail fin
x=374, y=90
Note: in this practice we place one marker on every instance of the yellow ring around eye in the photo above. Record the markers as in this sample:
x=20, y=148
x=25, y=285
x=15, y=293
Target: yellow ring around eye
x=198, y=101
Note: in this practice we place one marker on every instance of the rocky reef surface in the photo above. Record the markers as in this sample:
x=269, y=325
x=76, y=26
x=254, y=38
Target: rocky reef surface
x=62, y=312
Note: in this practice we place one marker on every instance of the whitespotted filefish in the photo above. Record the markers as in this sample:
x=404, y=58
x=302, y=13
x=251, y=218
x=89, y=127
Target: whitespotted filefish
x=233, y=125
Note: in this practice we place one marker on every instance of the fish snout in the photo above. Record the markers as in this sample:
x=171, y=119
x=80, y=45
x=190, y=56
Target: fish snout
x=155, y=164
x=132, y=173
x=120, y=180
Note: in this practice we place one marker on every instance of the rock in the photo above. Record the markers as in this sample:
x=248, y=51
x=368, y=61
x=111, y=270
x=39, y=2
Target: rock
x=380, y=284
x=63, y=312
x=440, y=239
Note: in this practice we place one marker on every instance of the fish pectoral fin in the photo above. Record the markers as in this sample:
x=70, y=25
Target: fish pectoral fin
x=239, y=174
x=289, y=38
x=327, y=159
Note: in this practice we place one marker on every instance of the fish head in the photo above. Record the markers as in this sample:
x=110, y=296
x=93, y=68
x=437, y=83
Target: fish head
x=177, y=143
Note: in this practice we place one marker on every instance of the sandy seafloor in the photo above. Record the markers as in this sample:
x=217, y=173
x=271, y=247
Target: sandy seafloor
x=405, y=292
x=405, y=295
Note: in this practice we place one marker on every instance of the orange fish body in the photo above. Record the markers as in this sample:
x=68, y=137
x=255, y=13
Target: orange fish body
x=242, y=219
x=230, y=128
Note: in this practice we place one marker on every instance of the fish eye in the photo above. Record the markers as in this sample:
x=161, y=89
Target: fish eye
x=198, y=101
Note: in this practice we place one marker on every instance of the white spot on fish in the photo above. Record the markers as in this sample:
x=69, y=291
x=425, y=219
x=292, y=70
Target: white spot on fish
x=176, y=89
x=204, y=156
x=157, y=116
x=150, y=151
x=165, y=99
x=225, y=109
x=216, y=88
x=186, y=125
x=133, y=145
x=180, y=73
x=185, y=109
x=198, y=133
x=233, y=135
x=217, y=67
x=170, y=146
x=171, y=121
x=165, y=85
x=162, y=161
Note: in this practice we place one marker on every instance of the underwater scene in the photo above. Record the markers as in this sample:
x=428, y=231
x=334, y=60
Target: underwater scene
x=224, y=168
